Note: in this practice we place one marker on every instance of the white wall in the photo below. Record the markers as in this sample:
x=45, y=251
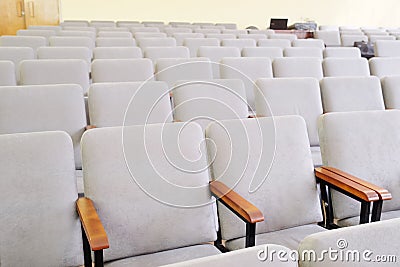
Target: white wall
x=244, y=13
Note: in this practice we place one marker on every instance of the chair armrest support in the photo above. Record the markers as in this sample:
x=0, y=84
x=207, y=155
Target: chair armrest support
x=89, y=127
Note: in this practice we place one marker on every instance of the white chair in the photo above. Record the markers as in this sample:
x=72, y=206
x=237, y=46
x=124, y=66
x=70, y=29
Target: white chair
x=334, y=67
x=144, y=29
x=171, y=70
x=282, y=43
x=155, y=53
x=207, y=31
x=112, y=29
x=352, y=52
x=16, y=55
x=373, y=38
x=239, y=43
x=329, y=37
x=23, y=41
x=230, y=26
x=351, y=94
x=391, y=91
x=247, y=69
x=83, y=53
x=292, y=96
x=114, y=42
x=72, y=41
x=75, y=29
x=122, y=70
x=235, y=32
x=34, y=32
x=290, y=37
x=7, y=73
x=45, y=27
x=215, y=54
x=220, y=36
x=385, y=48
x=129, y=103
x=269, y=52
x=303, y=52
x=384, y=66
x=171, y=31
x=254, y=36
x=78, y=33
x=117, y=52
x=180, y=37
x=297, y=67
x=156, y=42
x=75, y=23
x=109, y=34
x=207, y=101
x=139, y=35
x=308, y=43
x=55, y=71
x=102, y=23
x=194, y=43
x=349, y=40
x=328, y=28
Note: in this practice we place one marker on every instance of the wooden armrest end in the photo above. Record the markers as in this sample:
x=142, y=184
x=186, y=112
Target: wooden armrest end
x=89, y=127
x=230, y=198
x=92, y=225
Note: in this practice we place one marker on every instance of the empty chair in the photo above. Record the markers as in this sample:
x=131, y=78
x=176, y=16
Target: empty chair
x=75, y=28
x=387, y=48
x=297, y=67
x=39, y=169
x=231, y=26
x=43, y=33
x=342, y=52
x=122, y=70
x=117, y=52
x=115, y=34
x=328, y=28
x=239, y=43
x=114, y=42
x=155, y=53
x=113, y=29
x=334, y=67
x=308, y=43
x=219, y=27
x=102, y=23
x=303, y=52
x=45, y=27
x=140, y=152
x=207, y=31
x=25, y=41
x=78, y=33
x=330, y=38
x=266, y=32
x=170, y=70
x=355, y=241
x=180, y=37
x=155, y=23
x=351, y=94
x=254, y=36
x=55, y=71
x=7, y=73
x=221, y=36
x=139, y=35
x=156, y=42
x=133, y=103
x=290, y=37
x=129, y=23
x=208, y=101
x=16, y=55
x=349, y=40
x=384, y=66
x=172, y=31
x=391, y=91
x=72, y=41
x=292, y=96
x=194, y=43
x=373, y=38
x=215, y=54
x=75, y=23
x=247, y=69
x=235, y=32
x=260, y=158
x=361, y=146
x=144, y=29
x=269, y=52
x=282, y=43
x=203, y=23
x=83, y=53
x=39, y=108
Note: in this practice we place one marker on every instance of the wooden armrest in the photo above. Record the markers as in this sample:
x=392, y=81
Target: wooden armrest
x=92, y=225
x=251, y=116
x=88, y=127
x=383, y=193
x=346, y=185
x=233, y=200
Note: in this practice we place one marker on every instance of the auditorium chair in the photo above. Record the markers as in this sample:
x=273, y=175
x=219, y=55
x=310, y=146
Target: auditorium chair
x=102, y=23
x=195, y=43
x=351, y=94
x=373, y=38
x=308, y=43
x=292, y=96
x=269, y=52
x=391, y=91
x=207, y=31
x=30, y=32
x=72, y=41
x=362, y=147
x=384, y=66
x=349, y=39
x=55, y=71
x=297, y=67
x=78, y=33
x=23, y=41
x=282, y=43
x=352, y=52
x=303, y=52
x=109, y=34
x=339, y=67
x=150, y=188
x=75, y=29
x=328, y=28
x=115, y=42
x=329, y=37
x=139, y=35
x=247, y=69
x=171, y=31
x=227, y=25
x=155, y=53
x=117, y=52
x=7, y=73
x=290, y=37
x=253, y=36
x=129, y=103
x=215, y=54
x=82, y=53
x=144, y=29
x=45, y=27
x=239, y=43
x=266, y=32
x=387, y=48
x=220, y=36
x=122, y=70
x=180, y=37
x=235, y=32
x=74, y=23
x=208, y=101
x=16, y=55
x=113, y=29
x=156, y=42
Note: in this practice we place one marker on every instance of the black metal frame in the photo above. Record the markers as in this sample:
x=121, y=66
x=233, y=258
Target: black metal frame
x=87, y=253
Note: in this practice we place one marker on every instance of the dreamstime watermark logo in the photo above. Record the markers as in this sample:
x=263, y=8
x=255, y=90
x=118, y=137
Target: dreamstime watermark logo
x=339, y=254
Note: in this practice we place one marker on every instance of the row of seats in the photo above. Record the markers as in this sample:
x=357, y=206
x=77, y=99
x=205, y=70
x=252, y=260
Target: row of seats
x=137, y=176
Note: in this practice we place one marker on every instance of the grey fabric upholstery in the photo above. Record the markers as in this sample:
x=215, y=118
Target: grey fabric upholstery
x=349, y=39
x=269, y=52
x=297, y=67
x=239, y=43
x=161, y=176
x=155, y=53
x=342, y=52
x=23, y=41
x=303, y=52
x=282, y=43
x=44, y=108
x=247, y=69
x=7, y=73
x=30, y=32
x=391, y=91
x=363, y=144
x=114, y=34
x=243, y=257
x=55, y=71
x=290, y=37
x=379, y=238
x=38, y=220
x=77, y=32
x=335, y=67
x=156, y=42
x=72, y=41
x=83, y=53
x=308, y=43
x=208, y=101
x=122, y=70
x=259, y=158
x=194, y=43
x=133, y=103
x=384, y=66
x=215, y=54
x=117, y=52
x=115, y=42
x=351, y=94
x=330, y=38
x=387, y=48
x=180, y=37
x=16, y=55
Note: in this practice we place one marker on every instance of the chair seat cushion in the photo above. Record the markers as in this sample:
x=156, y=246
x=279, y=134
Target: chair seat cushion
x=290, y=237
x=356, y=220
x=167, y=257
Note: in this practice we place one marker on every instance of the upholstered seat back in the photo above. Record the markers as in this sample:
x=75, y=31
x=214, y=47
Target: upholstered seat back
x=268, y=162
x=38, y=220
x=297, y=67
x=150, y=187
